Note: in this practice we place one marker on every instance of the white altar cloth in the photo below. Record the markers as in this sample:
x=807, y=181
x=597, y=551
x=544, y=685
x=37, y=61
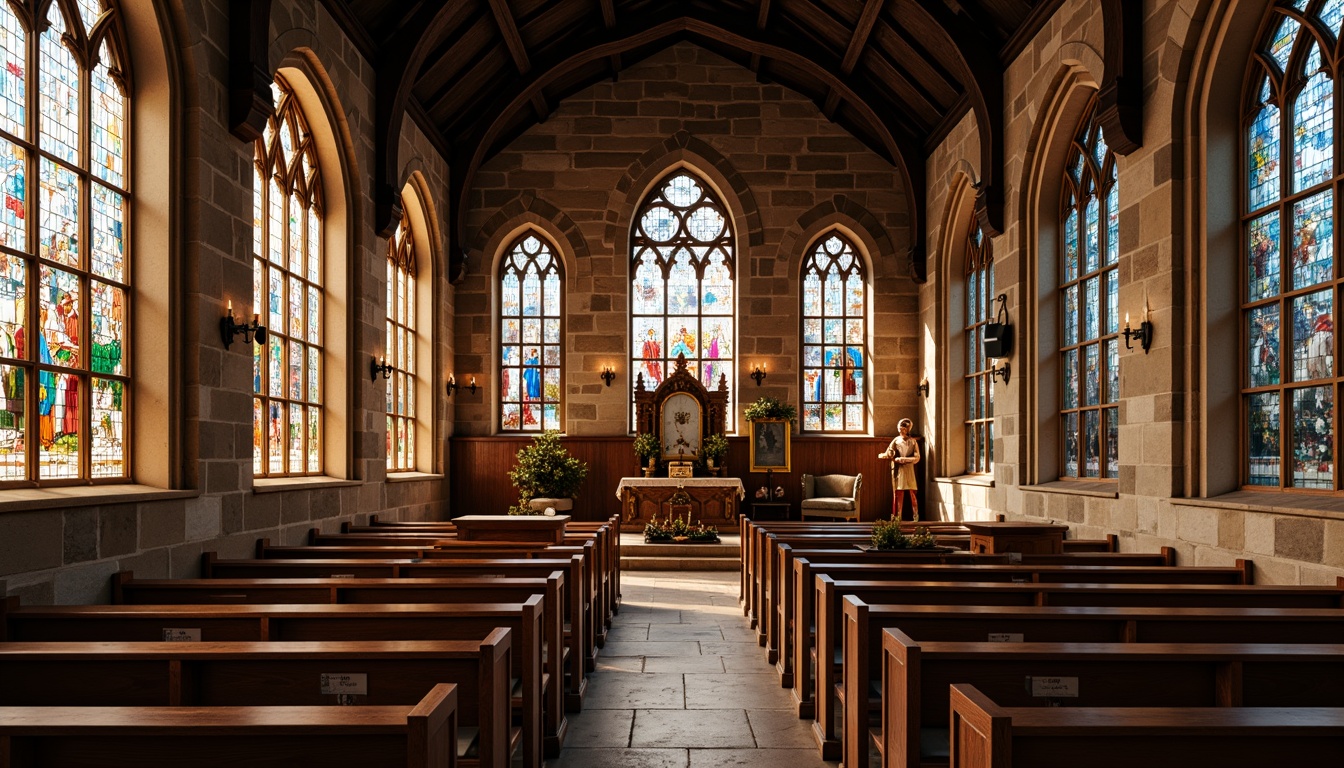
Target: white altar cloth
x=681, y=482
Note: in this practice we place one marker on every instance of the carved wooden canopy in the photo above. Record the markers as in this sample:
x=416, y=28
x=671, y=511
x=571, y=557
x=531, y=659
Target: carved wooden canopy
x=666, y=409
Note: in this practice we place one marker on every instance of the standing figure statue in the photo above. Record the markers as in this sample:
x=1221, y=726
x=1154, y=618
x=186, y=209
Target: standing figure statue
x=904, y=455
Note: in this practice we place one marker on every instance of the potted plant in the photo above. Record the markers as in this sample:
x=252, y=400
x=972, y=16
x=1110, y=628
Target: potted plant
x=546, y=476
x=770, y=408
x=714, y=449
x=646, y=450
x=887, y=536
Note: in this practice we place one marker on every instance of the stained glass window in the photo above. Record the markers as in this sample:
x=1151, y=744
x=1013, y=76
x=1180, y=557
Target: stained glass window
x=1291, y=278
x=65, y=279
x=1090, y=289
x=530, y=291
x=287, y=254
x=835, y=333
x=400, y=348
x=980, y=304
x=682, y=294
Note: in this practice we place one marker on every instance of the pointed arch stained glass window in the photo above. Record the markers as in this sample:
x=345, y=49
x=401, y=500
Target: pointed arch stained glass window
x=65, y=275
x=287, y=253
x=531, y=281
x=400, y=348
x=1090, y=291
x=979, y=425
x=1291, y=280
x=835, y=337
x=682, y=296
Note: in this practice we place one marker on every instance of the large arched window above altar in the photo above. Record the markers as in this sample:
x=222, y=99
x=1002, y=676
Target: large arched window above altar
x=682, y=299
x=835, y=337
x=1291, y=282
x=531, y=284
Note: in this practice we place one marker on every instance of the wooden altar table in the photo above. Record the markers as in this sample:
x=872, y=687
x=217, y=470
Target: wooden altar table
x=711, y=500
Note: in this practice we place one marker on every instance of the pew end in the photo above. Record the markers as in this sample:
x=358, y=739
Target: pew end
x=976, y=726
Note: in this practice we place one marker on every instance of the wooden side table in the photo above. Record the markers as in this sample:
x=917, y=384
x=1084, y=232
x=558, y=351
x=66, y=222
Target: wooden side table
x=550, y=530
x=771, y=510
x=1026, y=538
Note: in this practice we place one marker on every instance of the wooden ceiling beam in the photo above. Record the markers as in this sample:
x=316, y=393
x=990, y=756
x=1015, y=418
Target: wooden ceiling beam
x=762, y=20
x=508, y=29
x=608, y=22
x=857, y=42
x=1120, y=102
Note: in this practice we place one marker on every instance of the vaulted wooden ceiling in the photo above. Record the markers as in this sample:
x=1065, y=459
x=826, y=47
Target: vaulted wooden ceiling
x=897, y=74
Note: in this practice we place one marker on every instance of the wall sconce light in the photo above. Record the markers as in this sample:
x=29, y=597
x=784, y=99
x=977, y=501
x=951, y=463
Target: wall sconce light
x=1002, y=370
x=376, y=368
x=228, y=328
x=1144, y=334
x=758, y=373
x=608, y=375
x=453, y=385
x=923, y=388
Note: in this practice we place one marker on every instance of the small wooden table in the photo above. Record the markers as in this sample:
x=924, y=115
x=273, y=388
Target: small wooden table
x=1028, y=538
x=550, y=530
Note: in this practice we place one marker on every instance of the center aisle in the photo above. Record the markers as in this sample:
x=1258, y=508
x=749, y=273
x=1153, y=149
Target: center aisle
x=682, y=683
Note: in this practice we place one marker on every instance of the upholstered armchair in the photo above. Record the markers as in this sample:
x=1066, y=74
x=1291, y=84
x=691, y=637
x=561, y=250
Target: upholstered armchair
x=831, y=496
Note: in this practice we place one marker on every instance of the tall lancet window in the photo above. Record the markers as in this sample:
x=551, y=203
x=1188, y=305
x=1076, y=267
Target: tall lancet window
x=980, y=305
x=682, y=300
x=400, y=348
x=65, y=277
x=1090, y=288
x=1291, y=280
x=287, y=252
x=835, y=337
x=531, y=281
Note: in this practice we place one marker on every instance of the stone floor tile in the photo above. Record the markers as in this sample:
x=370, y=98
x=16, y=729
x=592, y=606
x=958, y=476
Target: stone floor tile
x=757, y=758
x=684, y=664
x=711, y=648
x=619, y=758
x=601, y=728
x=648, y=691
x=619, y=664
x=704, y=729
x=735, y=690
x=633, y=631
x=781, y=728
x=686, y=631
x=652, y=648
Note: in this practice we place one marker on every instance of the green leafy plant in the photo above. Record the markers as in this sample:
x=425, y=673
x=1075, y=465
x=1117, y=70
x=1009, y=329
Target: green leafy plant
x=887, y=535
x=646, y=446
x=545, y=470
x=679, y=529
x=715, y=447
x=770, y=408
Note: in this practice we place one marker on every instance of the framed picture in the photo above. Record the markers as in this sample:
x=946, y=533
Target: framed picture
x=770, y=445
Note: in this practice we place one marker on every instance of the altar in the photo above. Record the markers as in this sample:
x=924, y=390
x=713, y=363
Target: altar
x=710, y=500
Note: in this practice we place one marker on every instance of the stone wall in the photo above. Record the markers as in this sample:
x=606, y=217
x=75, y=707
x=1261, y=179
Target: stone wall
x=786, y=172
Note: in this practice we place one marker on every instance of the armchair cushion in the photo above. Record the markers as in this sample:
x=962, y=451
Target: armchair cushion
x=836, y=486
x=830, y=505
x=831, y=495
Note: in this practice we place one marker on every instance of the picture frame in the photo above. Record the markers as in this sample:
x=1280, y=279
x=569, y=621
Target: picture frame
x=770, y=449
x=682, y=430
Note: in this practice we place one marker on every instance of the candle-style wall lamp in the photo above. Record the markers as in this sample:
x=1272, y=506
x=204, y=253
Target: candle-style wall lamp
x=228, y=328
x=923, y=388
x=1001, y=371
x=376, y=368
x=608, y=375
x=452, y=385
x=1144, y=333
x=758, y=373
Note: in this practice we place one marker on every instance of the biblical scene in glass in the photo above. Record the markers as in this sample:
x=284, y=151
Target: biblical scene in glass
x=682, y=301
x=835, y=337
x=530, y=315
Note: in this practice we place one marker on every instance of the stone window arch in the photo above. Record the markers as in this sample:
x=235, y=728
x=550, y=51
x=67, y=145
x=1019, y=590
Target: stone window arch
x=531, y=296
x=835, y=356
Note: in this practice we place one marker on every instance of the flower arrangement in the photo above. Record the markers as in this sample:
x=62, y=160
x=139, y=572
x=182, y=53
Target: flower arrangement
x=646, y=446
x=714, y=448
x=679, y=529
x=770, y=408
x=887, y=535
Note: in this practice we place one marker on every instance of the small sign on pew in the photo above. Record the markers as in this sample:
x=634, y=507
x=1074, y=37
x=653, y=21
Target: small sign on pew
x=1014, y=558
x=345, y=686
x=342, y=575
x=1005, y=637
x=1053, y=687
x=178, y=635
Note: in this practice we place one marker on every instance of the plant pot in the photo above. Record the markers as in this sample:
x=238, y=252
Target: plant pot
x=559, y=505
x=709, y=462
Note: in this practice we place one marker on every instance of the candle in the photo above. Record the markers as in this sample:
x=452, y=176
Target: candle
x=1126, y=319
x=230, y=306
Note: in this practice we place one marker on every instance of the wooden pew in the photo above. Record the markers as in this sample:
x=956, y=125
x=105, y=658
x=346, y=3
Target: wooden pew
x=864, y=625
x=580, y=601
x=782, y=601
x=985, y=735
x=93, y=623
x=181, y=674
x=127, y=590
x=419, y=736
x=810, y=646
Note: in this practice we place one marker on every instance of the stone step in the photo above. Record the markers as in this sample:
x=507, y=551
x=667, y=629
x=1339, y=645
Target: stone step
x=681, y=550
x=685, y=563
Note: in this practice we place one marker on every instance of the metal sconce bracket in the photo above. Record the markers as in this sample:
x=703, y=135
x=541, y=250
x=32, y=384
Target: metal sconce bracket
x=758, y=373
x=1002, y=370
x=376, y=368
